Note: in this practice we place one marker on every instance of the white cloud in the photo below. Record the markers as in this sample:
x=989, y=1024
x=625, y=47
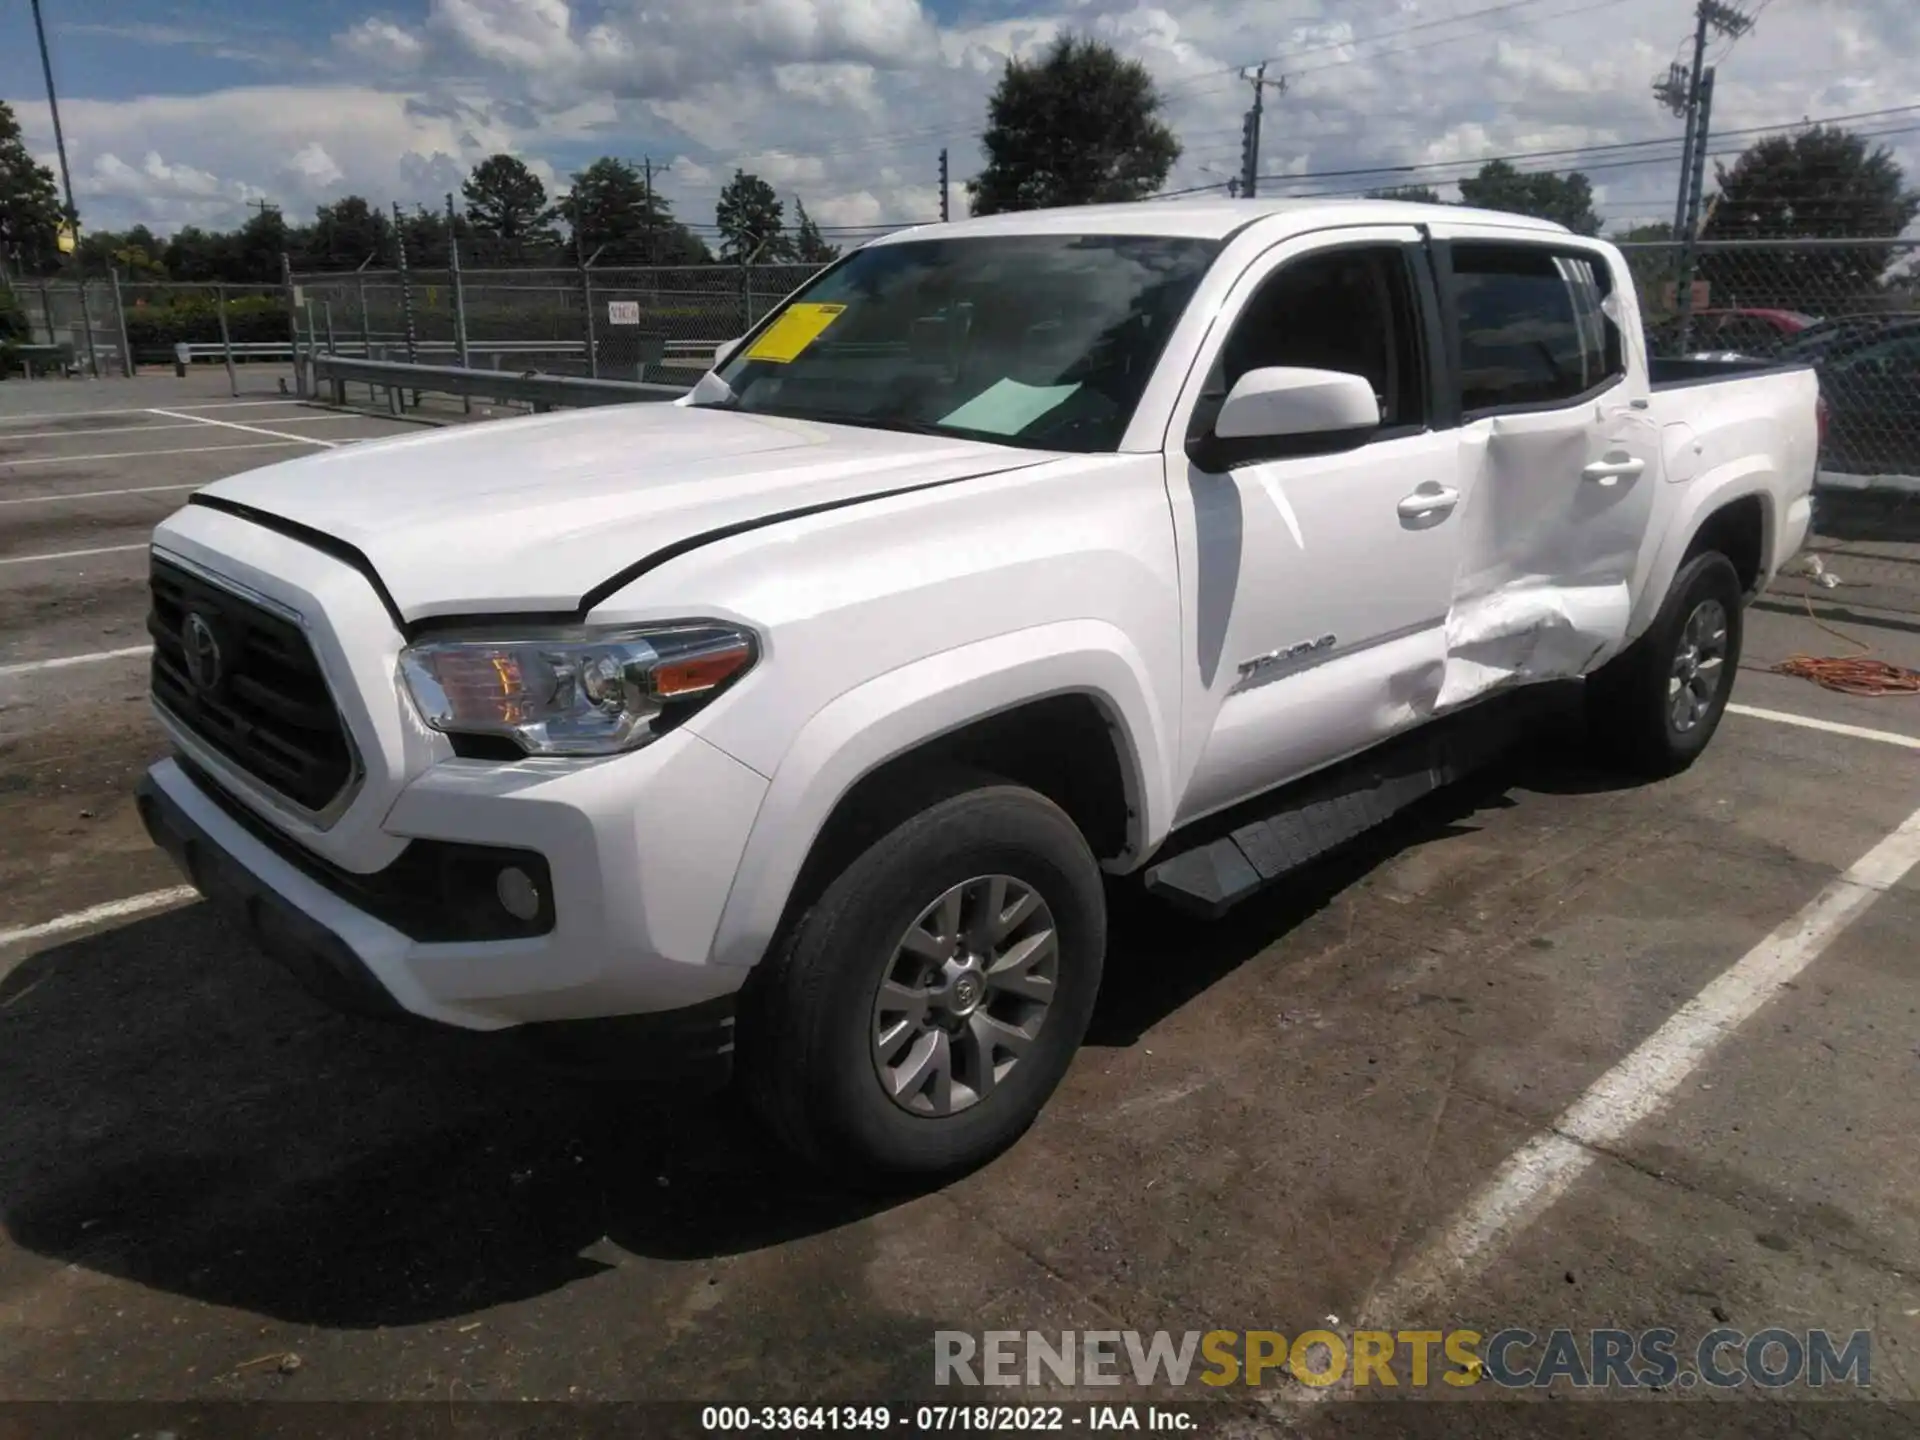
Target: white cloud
x=299, y=146
x=383, y=43
x=315, y=168
x=848, y=102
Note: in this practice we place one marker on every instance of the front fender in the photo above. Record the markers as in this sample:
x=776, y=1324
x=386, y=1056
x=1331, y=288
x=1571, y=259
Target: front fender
x=894, y=713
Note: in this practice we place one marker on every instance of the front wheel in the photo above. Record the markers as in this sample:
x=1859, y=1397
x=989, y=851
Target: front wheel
x=929, y=1002
x=1655, y=706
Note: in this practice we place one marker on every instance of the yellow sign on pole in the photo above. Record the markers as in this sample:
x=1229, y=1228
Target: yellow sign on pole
x=66, y=239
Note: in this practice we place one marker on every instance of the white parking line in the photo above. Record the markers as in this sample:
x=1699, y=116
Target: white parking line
x=1832, y=727
x=6, y=434
x=99, y=914
x=285, y=401
x=102, y=494
x=68, y=554
x=149, y=454
x=251, y=429
x=63, y=662
x=1546, y=1167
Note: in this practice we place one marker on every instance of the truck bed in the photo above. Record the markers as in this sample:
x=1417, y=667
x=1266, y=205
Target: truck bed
x=1679, y=374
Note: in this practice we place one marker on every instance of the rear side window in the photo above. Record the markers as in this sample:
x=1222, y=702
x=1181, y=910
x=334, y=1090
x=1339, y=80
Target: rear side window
x=1532, y=329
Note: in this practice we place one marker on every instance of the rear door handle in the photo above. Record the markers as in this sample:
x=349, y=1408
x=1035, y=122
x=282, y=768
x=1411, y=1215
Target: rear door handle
x=1429, y=500
x=1608, y=471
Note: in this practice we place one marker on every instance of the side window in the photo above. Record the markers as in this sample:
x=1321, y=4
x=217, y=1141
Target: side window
x=1351, y=310
x=1533, y=330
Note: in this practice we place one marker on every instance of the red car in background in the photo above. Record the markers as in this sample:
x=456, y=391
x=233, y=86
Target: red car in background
x=1743, y=331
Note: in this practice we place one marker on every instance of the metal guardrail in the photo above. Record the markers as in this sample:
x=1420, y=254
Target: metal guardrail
x=542, y=392
x=185, y=354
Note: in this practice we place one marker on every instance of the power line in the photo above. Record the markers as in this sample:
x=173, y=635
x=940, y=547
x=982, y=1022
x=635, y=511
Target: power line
x=1594, y=149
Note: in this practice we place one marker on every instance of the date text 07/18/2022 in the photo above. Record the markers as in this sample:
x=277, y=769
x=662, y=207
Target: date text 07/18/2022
x=989, y=1419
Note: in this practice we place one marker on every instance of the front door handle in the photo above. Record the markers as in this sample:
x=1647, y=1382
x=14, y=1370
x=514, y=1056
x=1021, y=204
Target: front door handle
x=1430, y=501
x=1614, y=468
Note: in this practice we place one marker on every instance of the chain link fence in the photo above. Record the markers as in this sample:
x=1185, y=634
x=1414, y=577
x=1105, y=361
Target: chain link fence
x=1850, y=308
x=115, y=327
x=656, y=323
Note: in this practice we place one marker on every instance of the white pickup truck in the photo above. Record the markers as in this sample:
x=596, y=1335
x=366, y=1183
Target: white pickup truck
x=796, y=721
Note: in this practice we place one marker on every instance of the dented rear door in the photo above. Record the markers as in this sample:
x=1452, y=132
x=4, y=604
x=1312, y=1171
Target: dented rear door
x=1560, y=460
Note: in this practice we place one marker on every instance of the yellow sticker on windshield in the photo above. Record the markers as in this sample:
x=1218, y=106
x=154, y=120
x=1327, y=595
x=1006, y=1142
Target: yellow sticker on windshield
x=789, y=336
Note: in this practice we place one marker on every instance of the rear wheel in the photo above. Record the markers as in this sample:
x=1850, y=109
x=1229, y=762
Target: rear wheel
x=1656, y=706
x=929, y=1002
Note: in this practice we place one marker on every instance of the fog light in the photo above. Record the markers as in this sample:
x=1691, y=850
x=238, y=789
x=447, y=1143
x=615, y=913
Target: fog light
x=517, y=893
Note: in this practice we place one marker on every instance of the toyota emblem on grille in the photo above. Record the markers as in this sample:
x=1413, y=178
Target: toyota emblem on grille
x=205, y=665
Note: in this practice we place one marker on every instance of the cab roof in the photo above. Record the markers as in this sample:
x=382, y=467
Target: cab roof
x=1215, y=218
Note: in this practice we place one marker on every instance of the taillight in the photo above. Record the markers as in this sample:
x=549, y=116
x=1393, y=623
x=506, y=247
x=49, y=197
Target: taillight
x=1820, y=419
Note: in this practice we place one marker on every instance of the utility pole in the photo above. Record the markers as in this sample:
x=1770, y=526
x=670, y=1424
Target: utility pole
x=944, y=216
x=1688, y=92
x=1250, y=129
x=647, y=167
x=1696, y=183
x=59, y=136
x=1679, y=90
x=66, y=181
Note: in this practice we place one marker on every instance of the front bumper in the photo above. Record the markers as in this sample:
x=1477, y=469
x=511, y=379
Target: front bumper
x=692, y=1045
x=632, y=910
x=318, y=957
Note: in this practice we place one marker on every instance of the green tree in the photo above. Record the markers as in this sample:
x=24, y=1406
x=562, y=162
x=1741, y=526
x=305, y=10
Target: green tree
x=196, y=254
x=30, y=206
x=507, y=208
x=808, y=243
x=135, y=253
x=611, y=210
x=1417, y=194
x=1565, y=199
x=1823, y=183
x=425, y=232
x=1078, y=126
x=253, y=255
x=751, y=221
x=346, y=233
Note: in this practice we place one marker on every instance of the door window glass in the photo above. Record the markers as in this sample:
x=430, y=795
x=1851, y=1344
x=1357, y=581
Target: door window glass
x=1349, y=310
x=1533, y=329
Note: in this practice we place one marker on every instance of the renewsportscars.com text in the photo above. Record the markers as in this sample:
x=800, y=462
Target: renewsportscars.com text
x=1604, y=1359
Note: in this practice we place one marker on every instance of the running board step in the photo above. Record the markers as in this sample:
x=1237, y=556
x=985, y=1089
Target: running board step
x=1230, y=857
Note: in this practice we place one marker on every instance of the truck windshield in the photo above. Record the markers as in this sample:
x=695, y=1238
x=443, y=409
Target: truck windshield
x=1034, y=340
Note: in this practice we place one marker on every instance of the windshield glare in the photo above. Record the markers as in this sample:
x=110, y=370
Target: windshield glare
x=1044, y=340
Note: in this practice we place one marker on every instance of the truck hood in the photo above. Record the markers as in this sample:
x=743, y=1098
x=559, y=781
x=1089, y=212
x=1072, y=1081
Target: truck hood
x=536, y=514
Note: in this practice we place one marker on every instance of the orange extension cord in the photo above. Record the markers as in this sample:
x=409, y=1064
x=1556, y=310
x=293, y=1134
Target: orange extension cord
x=1850, y=674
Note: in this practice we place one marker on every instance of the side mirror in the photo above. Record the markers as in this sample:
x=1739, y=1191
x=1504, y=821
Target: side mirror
x=1281, y=411
x=723, y=352
x=1280, y=403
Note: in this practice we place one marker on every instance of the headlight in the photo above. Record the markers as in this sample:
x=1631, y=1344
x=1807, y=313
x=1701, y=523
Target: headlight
x=583, y=692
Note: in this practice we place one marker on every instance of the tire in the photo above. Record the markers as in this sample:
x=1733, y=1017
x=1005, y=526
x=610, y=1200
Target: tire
x=812, y=1016
x=1635, y=713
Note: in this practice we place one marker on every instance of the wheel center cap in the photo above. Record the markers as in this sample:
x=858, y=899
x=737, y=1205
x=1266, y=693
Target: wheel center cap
x=966, y=994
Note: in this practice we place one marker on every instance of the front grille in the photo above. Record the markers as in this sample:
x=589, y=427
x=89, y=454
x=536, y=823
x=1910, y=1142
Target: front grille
x=265, y=705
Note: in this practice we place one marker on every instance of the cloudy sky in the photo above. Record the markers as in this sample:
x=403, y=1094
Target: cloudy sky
x=181, y=111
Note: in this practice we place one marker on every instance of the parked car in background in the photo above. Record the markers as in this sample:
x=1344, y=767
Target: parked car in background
x=1871, y=383
x=1811, y=345
x=1756, y=332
